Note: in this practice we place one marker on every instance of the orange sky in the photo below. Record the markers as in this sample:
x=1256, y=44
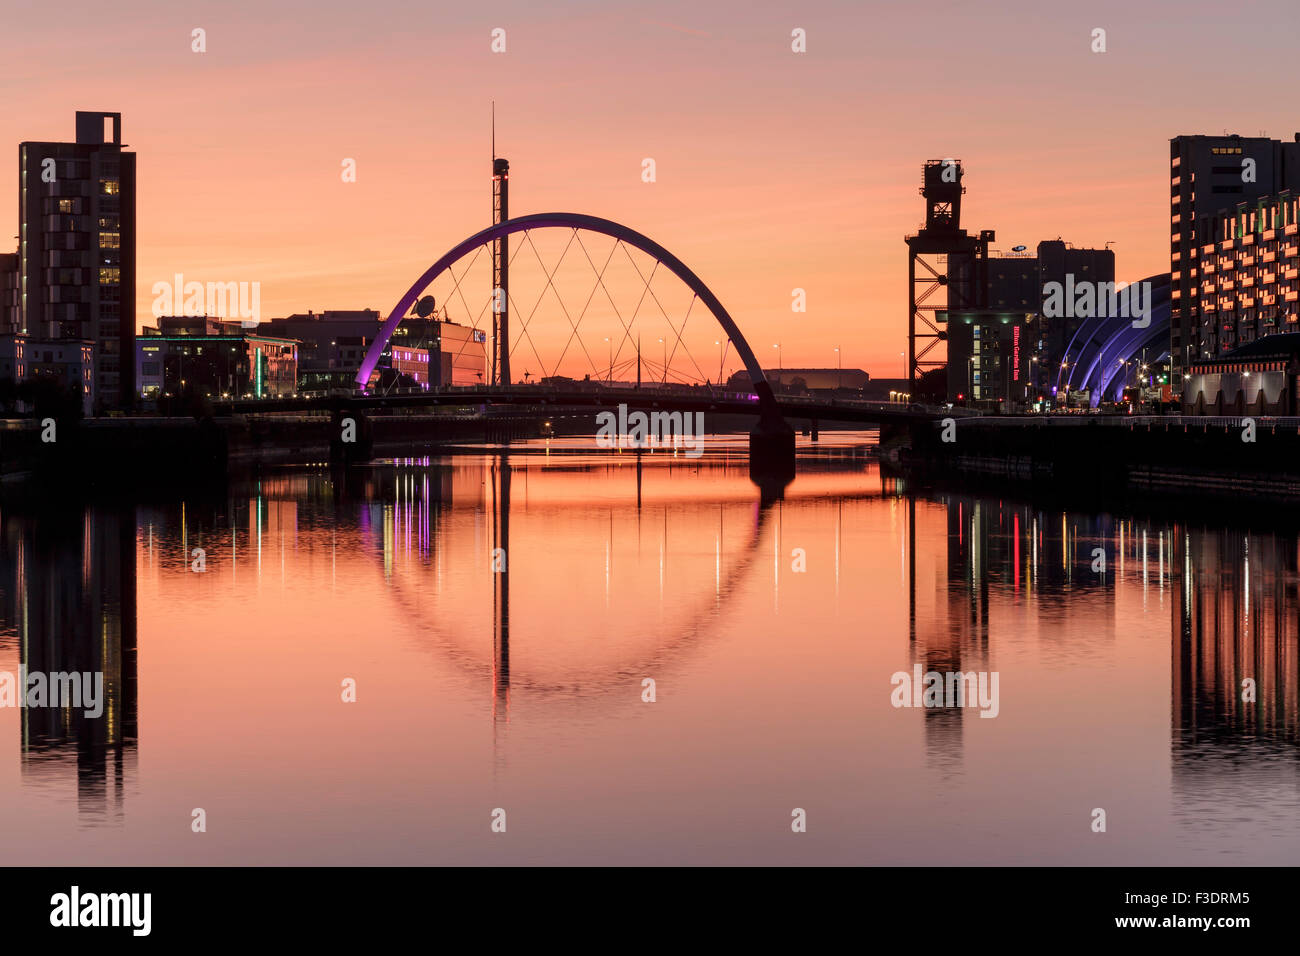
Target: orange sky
x=775, y=170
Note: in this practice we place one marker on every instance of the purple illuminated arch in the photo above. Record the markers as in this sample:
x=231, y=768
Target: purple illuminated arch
x=570, y=220
x=1102, y=343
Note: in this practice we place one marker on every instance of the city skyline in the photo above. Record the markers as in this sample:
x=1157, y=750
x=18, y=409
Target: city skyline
x=849, y=433
x=767, y=180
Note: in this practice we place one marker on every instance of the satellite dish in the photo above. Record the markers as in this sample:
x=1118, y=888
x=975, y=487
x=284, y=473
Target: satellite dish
x=1018, y=248
x=424, y=308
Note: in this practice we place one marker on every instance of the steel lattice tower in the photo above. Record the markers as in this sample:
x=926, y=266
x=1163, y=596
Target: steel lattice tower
x=942, y=235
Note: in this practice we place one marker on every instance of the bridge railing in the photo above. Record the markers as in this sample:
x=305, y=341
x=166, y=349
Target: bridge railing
x=581, y=393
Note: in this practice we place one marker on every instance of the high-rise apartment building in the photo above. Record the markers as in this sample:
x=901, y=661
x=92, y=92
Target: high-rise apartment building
x=1207, y=175
x=76, y=249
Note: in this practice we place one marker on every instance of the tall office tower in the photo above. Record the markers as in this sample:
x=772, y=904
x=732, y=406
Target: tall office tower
x=76, y=249
x=1208, y=174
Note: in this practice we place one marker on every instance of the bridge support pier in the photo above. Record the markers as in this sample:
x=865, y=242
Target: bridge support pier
x=351, y=439
x=771, y=446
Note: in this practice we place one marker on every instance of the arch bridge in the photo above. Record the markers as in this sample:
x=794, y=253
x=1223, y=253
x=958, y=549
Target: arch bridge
x=772, y=438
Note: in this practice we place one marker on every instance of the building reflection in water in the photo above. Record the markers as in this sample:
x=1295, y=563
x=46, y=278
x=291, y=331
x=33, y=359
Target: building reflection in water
x=1233, y=598
x=69, y=604
x=977, y=568
x=994, y=550
x=1236, y=617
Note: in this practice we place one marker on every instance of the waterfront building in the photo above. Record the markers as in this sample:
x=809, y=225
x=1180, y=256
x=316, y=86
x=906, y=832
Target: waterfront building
x=458, y=354
x=67, y=362
x=988, y=356
x=215, y=358
x=1062, y=264
x=1209, y=175
x=409, y=361
x=1012, y=347
x=76, y=249
x=9, y=318
x=1258, y=378
x=332, y=345
x=335, y=341
x=334, y=367
x=1248, y=265
x=805, y=379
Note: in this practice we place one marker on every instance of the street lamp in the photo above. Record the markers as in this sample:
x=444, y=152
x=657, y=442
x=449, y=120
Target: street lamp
x=609, y=376
x=839, y=367
x=664, y=379
x=779, y=365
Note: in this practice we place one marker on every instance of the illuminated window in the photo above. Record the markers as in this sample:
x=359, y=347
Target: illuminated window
x=109, y=187
x=66, y=205
x=110, y=240
x=110, y=276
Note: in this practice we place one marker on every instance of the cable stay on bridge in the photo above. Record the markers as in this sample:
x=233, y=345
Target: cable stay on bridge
x=677, y=361
x=772, y=440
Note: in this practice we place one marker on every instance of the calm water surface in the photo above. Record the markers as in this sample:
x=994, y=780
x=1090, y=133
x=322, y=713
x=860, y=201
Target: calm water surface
x=1118, y=689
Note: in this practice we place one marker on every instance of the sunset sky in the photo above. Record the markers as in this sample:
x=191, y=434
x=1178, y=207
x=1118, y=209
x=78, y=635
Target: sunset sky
x=775, y=170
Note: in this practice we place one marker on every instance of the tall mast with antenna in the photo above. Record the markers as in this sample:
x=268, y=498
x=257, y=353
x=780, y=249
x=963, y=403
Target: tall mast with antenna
x=500, y=265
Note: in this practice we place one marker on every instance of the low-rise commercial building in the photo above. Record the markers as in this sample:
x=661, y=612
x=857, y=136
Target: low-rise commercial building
x=408, y=361
x=335, y=342
x=67, y=362
x=805, y=379
x=214, y=358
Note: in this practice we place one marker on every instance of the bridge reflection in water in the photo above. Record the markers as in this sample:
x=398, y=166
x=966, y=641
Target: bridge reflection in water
x=622, y=525
x=631, y=566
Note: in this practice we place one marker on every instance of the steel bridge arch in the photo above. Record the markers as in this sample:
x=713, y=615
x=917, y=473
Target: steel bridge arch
x=573, y=220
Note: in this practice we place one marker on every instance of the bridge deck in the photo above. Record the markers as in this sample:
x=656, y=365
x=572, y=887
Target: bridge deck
x=651, y=398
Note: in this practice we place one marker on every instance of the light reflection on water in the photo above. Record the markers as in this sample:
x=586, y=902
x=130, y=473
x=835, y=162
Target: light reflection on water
x=522, y=689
